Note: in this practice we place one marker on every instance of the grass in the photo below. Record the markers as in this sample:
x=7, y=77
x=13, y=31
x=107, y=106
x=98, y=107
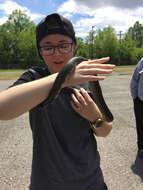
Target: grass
x=124, y=70
x=11, y=70
x=126, y=66
x=10, y=74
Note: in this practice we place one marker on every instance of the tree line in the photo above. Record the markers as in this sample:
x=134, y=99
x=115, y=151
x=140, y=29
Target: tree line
x=18, y=44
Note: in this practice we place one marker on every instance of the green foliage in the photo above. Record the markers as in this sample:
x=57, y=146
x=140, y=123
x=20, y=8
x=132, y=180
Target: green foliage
x=82, y=48
x=106, y=44
x=18, y=21
x=18, y=44
x=136, y=34
x=126, y=49
x=28, y=55
x=129, y=52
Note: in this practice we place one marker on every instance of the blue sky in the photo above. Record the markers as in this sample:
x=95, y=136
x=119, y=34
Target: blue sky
x=84, y=14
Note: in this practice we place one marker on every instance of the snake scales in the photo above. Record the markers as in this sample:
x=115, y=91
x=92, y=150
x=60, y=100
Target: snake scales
x=94, y=86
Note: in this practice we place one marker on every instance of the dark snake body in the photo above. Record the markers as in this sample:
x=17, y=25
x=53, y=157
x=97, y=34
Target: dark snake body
x=94, y=88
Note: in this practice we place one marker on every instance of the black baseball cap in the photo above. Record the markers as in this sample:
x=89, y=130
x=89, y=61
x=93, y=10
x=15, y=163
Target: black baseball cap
x=54, y=24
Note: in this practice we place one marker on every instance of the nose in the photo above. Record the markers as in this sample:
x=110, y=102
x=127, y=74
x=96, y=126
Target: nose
x=56, y=50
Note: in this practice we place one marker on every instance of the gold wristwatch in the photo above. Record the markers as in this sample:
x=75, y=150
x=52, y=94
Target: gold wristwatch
x=97, y=123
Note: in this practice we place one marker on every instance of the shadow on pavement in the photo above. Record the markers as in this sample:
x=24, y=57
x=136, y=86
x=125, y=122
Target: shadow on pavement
x=137, y=167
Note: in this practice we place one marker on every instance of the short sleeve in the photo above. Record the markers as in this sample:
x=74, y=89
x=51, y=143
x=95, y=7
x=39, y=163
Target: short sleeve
x=32, y=74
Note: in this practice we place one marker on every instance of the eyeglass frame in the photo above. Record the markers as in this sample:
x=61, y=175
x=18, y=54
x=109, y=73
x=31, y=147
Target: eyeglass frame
x=57, y=47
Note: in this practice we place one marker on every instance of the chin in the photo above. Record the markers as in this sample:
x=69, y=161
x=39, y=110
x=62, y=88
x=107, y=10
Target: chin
x=58, y=69
x=55, y=71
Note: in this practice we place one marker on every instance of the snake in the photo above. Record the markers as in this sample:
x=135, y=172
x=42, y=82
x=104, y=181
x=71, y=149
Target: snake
x=94, y=87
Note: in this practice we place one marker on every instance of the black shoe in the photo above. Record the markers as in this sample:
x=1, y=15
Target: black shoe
x=140, y=153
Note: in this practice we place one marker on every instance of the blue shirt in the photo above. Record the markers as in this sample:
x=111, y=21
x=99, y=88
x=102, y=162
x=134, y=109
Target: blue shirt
x=136, y=85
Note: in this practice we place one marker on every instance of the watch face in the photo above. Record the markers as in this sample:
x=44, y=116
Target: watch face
x=98, y=123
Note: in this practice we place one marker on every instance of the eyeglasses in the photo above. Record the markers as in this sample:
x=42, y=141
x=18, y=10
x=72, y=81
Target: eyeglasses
x=62, y=48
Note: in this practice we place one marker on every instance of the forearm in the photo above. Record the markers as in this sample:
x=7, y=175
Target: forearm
x=19, y=99
x=104, y=130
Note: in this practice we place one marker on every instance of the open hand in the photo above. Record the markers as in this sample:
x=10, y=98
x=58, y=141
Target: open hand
x=83, y=104
x=88, y=71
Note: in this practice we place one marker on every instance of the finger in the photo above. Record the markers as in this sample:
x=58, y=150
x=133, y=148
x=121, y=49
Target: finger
x=93, y=78
x=88, y=99
x=102, y=60
x=96, y=61
x=75, y=107
x=96, y=71
x=85, y=95
x=95, y=65
x=75, y=101
x=80, y=97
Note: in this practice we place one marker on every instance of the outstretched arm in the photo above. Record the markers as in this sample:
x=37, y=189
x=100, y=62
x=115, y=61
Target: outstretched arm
x=19, y=99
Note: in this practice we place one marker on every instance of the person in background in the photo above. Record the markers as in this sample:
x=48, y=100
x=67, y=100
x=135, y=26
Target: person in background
x=136, y=87
x=65, y=155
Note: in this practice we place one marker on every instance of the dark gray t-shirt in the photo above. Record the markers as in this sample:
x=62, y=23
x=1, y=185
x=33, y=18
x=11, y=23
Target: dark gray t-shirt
x=65, y=155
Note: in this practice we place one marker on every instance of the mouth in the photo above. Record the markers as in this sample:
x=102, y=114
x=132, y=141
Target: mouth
x=58, y=62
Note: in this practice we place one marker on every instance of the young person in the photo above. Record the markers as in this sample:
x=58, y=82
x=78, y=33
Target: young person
x=137, y=95
x=65, y=155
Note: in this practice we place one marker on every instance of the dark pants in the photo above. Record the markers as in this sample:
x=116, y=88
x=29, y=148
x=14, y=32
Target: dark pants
x=138, y=110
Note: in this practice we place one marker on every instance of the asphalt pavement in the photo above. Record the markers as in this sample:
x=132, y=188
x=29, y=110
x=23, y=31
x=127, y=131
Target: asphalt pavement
x=122, y=169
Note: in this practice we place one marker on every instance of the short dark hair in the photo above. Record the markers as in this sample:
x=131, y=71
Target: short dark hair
x=54, y=24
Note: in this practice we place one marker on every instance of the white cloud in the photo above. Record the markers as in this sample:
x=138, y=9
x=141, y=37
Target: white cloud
x=68, y=15
x=3, y=20
x=72, y=7
x=69, y=6
x=7, y=6
x=100, y=17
